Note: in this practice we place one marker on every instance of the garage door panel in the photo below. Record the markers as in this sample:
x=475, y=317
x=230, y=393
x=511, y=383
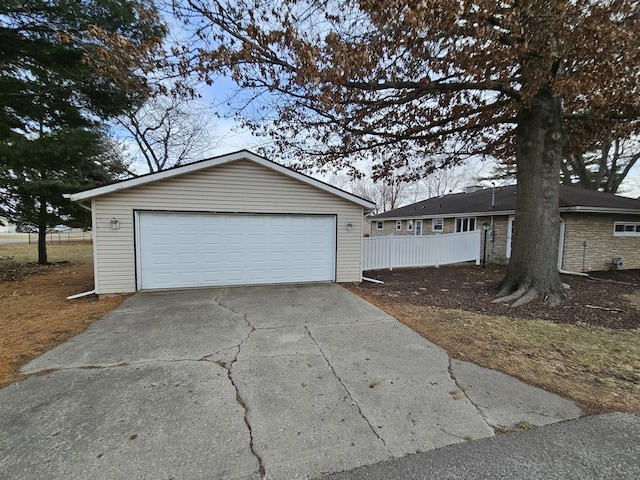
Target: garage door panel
x=183, y=250
x=233, y=221
x=256, y=222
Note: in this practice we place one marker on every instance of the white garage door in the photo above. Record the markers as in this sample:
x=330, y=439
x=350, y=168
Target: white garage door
x=178, y=250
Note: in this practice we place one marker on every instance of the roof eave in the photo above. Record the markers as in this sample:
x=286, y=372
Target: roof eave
x=213, y=162
x=583, y=209
x=447, y=215
x=576, y=209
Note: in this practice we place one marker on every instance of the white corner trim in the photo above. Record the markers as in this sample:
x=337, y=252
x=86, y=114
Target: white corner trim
x=94, y=243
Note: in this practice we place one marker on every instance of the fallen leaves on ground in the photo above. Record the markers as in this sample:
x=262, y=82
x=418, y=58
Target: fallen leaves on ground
x=601, y=300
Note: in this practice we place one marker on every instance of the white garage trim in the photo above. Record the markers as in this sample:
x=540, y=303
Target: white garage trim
x=199, y=249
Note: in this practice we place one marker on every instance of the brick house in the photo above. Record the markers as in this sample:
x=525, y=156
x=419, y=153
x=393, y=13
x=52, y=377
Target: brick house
x=595, y=228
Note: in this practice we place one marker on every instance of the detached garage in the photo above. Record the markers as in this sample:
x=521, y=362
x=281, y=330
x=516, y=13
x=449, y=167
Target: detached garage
x=237, y=219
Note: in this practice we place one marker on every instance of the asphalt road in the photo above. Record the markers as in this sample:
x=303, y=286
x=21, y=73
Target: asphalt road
x=603, y=447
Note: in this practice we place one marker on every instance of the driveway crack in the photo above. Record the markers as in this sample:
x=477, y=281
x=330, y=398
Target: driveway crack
x=335, y=374
x=217, y=300
x=483, y=416
x=229, y=368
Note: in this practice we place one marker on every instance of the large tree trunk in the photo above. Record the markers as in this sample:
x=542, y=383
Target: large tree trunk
x=533, y=268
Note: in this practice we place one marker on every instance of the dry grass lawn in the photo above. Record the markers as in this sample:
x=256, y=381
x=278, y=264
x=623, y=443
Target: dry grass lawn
x=597, y=367
x=35, y=313
x=79, y=252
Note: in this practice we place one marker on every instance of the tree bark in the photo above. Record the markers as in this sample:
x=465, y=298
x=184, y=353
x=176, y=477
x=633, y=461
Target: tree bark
x=533, y=268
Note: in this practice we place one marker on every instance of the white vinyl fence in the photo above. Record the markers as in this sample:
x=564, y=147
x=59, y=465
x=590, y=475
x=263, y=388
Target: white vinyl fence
x=420, y=251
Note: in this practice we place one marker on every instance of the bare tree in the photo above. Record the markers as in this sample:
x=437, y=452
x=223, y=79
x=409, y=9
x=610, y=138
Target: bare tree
x=387, y=194
x=448, y=179
x=168, y=131
x=603, y=168
x=404, y=79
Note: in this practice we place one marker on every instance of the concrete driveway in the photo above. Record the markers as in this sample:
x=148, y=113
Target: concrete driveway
x=277, y=382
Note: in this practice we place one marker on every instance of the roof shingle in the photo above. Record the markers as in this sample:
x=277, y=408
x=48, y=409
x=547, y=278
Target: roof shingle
x=480, y=202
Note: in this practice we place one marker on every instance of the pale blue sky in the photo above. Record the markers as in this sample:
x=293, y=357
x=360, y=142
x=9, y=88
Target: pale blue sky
x=228, y=136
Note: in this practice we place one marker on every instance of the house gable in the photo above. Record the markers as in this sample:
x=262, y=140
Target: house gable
x=243, y=155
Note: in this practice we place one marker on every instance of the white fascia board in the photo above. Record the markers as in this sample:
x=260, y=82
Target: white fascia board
x=444, y=215
x=213, y=162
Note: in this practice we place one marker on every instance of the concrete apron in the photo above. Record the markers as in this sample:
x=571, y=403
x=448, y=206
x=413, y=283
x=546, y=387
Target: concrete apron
x=277, y=382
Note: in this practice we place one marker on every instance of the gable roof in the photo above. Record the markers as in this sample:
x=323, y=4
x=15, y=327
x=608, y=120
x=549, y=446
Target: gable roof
x=478, y=203
x=213, y=162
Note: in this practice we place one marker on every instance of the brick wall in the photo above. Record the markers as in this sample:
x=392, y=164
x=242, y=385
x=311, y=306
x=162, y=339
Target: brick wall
x=496, y=249
x=602, y=247
x=389, y=227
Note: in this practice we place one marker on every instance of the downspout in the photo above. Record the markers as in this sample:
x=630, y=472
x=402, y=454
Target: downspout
x=80, y=295
x=81, y=205
x=90, y=292
x=492, y=230
x=493, y=194
x=568, y=272
x=372, y=280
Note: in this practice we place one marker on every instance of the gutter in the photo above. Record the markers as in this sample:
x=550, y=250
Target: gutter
x=444, y=215
x=582, y=209
x=574, y=209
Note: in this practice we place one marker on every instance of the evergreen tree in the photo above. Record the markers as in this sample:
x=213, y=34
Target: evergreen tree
x=66, y=65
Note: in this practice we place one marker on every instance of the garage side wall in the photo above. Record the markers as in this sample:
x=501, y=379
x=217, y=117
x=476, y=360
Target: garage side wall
x=237, y=187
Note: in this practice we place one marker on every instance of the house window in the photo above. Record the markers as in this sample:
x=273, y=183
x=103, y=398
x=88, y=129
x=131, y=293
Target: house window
x=379, y=225
x=626, y=229
x=409, y=225
x=465, y=224
x=398, y=225
x=437, y=224
x=418, y=227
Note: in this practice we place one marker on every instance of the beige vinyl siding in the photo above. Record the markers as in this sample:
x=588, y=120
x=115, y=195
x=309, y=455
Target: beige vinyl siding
x=237, y=187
